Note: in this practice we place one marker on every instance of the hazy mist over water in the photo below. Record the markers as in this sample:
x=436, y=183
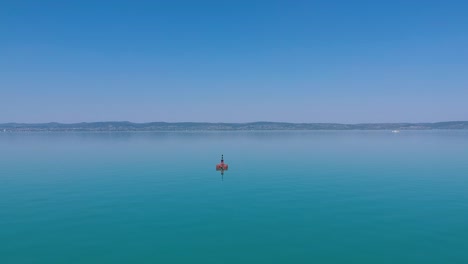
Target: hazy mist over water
x=288, y=197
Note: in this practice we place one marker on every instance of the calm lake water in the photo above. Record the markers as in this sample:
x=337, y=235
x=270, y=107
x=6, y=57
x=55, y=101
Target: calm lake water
x=288, y=197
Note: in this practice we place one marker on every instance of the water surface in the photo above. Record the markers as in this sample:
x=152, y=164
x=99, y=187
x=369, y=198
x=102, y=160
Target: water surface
x=288, y=197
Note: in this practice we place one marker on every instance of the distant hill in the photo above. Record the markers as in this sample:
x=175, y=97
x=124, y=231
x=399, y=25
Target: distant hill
x=195, y=126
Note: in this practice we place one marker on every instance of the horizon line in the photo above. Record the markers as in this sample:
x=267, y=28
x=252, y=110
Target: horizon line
x=206, y=122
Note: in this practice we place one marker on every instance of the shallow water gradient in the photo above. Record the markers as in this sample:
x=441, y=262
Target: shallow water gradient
x=288, y=197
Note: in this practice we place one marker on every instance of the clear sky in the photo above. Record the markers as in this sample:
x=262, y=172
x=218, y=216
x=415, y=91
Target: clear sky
x=234, y=61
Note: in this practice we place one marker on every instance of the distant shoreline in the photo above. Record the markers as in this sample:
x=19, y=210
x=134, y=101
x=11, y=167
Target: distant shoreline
x=203, y=126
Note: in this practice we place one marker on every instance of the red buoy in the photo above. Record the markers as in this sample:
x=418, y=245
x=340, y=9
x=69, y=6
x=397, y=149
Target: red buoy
x=221, y=166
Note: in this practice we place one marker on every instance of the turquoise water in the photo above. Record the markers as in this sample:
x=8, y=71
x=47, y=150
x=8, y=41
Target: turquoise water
x=288, y=197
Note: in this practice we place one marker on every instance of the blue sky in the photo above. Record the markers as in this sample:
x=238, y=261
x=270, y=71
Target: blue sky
x=233, y=61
